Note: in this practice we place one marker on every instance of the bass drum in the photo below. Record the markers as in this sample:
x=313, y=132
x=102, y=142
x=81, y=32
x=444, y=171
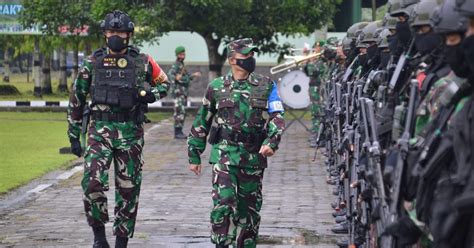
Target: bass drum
x=294, y=89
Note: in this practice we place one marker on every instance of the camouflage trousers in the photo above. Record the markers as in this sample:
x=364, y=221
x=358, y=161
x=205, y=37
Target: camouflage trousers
x=237, y=199
x=121, y=143
x=315, y=108
x=179, y=115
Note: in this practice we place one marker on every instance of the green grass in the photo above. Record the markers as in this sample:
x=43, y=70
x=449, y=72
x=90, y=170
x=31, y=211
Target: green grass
x=26, y=89
x=30, y=142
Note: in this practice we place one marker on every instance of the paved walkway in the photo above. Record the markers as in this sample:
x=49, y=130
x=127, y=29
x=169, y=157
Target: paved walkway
x=175, y=204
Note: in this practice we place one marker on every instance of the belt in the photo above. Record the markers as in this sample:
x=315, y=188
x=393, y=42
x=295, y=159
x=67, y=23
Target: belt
x=115, y=117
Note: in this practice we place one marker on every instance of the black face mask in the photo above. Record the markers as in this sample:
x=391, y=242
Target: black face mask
x=117, y=43
x=468, y=48
x=427, y=42
x=247, y=64
x=403, y=33
x=454, y=56
x=363, y=59
x=373, y=55
x=384, y=58
x=180, y=59
x=395, y=49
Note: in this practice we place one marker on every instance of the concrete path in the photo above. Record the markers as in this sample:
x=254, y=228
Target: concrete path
x=175, y=204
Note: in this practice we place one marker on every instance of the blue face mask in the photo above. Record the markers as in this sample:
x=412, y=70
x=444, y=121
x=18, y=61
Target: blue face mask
x=247, y=64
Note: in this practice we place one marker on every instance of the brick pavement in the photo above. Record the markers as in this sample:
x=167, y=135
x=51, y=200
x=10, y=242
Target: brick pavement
x=175, y=204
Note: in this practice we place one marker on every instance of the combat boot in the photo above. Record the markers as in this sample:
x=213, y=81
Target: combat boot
x=178, y=133
x=222, y=246
x=121, y=242
x=100, y=241
x=342, y=227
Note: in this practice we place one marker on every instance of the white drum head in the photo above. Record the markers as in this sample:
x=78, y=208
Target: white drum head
x=294, y=89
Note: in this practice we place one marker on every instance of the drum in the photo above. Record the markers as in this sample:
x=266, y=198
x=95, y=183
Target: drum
x=293, y=88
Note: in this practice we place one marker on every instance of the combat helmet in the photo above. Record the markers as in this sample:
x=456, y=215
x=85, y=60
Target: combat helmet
x=446, y=20
x=369, y=33
x=389, y=22
x=118, y=21
x=401, y=7
x=347, y=45
x=354, y=30
x=423, y=12
x=465, y=7
x=382, y=40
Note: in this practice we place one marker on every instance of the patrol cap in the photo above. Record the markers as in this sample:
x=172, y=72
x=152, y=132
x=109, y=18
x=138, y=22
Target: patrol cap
x=465, y=7
x=118, y=21
x=332, y=41
x=243, y=46
x=179, y=49
x=446, y=20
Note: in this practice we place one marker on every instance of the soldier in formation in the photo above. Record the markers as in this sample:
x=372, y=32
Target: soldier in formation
x=397, y=118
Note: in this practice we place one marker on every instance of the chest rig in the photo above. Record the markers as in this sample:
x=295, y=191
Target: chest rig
x=115, y=78
x=228, y=105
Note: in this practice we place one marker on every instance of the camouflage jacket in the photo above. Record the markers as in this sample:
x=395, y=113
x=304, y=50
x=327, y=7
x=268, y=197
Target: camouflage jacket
x=152, y=74
x=179, y=86
x=233, y=106
x=316, y=71
x=429, y=107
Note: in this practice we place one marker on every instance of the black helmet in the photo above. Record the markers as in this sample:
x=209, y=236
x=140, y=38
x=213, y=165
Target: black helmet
x=446, y=20
x=465, y=7
x=423, y=12
x=118, y=21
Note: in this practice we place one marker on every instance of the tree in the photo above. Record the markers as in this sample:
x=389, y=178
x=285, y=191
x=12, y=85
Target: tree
x=221, y=21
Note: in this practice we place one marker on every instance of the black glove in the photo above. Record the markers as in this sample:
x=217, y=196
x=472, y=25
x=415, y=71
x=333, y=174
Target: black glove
x=147, y=98
x=76, y=148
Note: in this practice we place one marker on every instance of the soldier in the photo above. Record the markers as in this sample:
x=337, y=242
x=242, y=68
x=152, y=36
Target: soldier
x=180, y=79
x=315, y=69
x=241, y=142
x=120, y=81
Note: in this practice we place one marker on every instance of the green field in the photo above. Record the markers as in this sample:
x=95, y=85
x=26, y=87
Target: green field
x=30, y=142
x=26, y=89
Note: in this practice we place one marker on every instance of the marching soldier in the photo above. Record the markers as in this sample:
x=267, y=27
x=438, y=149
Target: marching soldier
x=120, y=81
x=181, y=79
x=241, y=139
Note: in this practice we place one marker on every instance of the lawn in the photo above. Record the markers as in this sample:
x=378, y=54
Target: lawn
x=30, y=142
x=26, y=89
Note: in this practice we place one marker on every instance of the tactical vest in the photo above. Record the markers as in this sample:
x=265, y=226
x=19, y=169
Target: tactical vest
x=258, y=101
x=115, y=78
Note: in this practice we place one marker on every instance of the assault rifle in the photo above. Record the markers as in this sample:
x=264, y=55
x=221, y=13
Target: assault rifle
x=396, y=204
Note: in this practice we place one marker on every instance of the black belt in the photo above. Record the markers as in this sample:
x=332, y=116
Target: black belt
x=116, y=117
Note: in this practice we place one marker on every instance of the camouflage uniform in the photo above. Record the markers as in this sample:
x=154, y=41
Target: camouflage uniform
x=120, y=141
x=315, y=71
x=179, y=90
x=238, y=108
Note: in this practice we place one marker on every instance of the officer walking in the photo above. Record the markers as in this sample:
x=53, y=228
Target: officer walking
x=242, y=139
x=120, y=80
x=181, y=79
